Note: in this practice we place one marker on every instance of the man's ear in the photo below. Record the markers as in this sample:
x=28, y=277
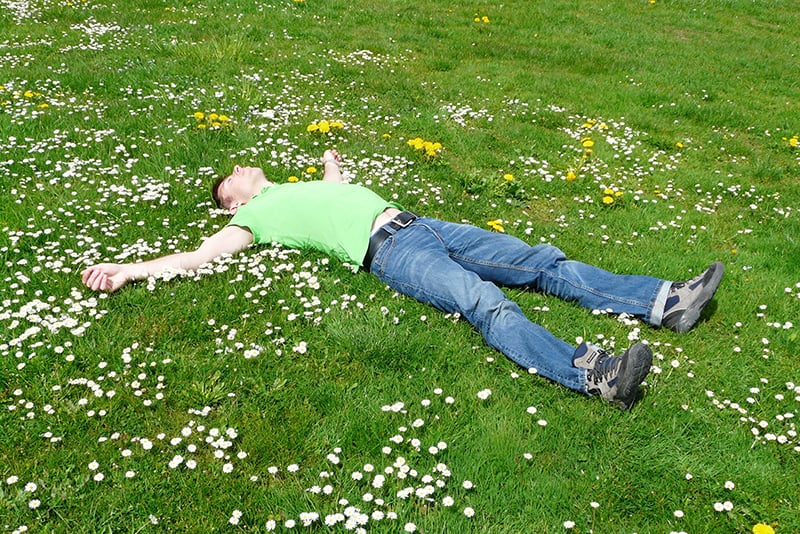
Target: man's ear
x=232, y=210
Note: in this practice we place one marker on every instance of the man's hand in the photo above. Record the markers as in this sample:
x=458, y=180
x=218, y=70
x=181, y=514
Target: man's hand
x=331, y=156
x=105, y=277
x=331, y=163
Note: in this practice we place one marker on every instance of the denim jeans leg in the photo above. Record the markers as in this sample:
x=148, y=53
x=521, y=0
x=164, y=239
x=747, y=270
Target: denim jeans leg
x=511, y=262
x=415, y=261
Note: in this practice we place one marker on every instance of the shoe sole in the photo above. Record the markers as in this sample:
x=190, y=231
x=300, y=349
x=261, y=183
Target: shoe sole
x=692, y=313
x=635, y=366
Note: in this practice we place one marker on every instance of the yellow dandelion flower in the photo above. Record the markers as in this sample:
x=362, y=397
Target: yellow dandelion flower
x=587, y=142
x=571, y=177
x=496, y=225
x=293, y=179
x=337, y=124
x=387, y=135
x=608, y=200
x=312, y=127
x=44, y=105
x=28, y=94
x=679, y=144
x=602, y=126
x=324, y=126
x=213, y=117
x=224, y=118
x=417, y=143
x=431, y=148
x=201, y=126
x=311, y=170
x=485, y=19
x=199, y=115
x=794, y=142
x=618, y=194
x=762, y=528
x=588, y=124
x=608, y=191
x=508, y=177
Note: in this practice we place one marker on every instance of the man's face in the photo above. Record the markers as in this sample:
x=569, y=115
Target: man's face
x=239, y=187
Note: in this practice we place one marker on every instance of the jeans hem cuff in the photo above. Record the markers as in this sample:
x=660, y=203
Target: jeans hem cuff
x=660, y=302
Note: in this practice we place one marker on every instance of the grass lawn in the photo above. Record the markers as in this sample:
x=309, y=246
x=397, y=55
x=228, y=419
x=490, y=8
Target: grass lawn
x=277, y=390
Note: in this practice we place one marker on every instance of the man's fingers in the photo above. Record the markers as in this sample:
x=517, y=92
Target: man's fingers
x=94, y=279
x=101, y=284
x=86, y=273
x=88, y=276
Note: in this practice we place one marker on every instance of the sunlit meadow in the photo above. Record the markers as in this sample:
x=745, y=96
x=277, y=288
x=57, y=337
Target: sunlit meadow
x=276, y=390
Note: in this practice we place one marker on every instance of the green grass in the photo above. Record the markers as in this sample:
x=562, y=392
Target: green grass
x=691, y=105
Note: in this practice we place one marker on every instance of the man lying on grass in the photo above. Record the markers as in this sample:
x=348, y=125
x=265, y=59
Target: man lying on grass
x=456, y=268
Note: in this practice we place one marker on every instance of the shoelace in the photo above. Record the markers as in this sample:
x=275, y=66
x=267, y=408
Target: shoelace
x=691, y=283
x=605, y=367
x=682, y=291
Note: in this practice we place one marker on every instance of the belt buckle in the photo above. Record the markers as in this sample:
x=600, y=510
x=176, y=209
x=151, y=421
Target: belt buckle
x=402, y=224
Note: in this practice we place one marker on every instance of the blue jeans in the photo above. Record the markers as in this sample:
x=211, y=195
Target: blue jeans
x=458, y=268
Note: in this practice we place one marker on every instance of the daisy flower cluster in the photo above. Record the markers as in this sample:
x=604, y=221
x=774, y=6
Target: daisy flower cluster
x=139, y=383
x=25, y=102
x=770, y=412
x=97, y=36
x=26, y=12
x=30, y=318
x=282, y=104
x=771, y=407
x=623, y=162
x=365, y=57
x=410, y=476
x=462, y=114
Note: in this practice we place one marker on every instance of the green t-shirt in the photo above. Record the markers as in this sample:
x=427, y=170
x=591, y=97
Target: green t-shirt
x=330, y=217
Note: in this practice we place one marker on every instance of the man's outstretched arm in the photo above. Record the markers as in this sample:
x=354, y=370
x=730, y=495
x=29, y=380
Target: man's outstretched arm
x=112, y=276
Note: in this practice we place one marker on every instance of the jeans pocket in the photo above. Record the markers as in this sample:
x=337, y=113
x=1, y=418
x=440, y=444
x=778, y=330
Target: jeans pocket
x=382, y=256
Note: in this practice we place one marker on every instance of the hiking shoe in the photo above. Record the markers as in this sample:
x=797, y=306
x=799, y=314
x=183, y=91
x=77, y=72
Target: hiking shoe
x=614, y=378
x=686, y=300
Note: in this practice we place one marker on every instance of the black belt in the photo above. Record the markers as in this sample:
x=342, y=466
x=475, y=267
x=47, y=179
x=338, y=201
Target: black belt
x=400, y=221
